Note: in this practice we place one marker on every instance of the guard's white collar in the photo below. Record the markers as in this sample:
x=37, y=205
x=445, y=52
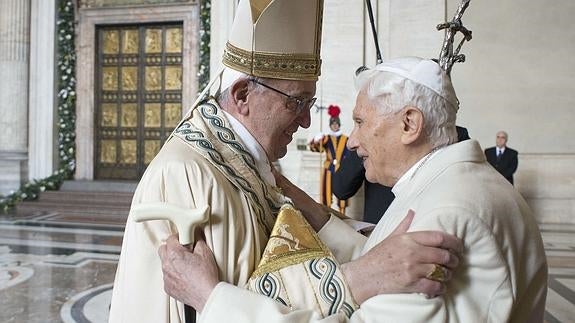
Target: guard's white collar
x=335, y=133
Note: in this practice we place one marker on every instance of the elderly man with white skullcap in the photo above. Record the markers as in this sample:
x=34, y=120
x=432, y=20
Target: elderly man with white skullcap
x=405, y=133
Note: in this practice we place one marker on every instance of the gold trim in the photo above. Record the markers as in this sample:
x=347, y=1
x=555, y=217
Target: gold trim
x=304, y=67
x=311, y=246
x=258, y=6
x=437, y=274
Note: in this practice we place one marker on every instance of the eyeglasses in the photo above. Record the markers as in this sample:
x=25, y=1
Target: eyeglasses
x=292, y=103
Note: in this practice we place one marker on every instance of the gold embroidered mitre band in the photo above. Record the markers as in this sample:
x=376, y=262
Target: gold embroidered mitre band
x=276, y=39
x=299, y=271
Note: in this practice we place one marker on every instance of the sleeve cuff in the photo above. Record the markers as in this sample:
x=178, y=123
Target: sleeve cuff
x=343, y=249
x=214, y=300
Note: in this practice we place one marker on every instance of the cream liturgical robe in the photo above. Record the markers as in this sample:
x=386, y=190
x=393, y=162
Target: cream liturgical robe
x=298, y=270
x=502, y=276
x=204, y=163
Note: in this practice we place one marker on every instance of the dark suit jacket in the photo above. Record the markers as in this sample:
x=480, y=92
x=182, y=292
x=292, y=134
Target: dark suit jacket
x=347, y=180
x=506, y=165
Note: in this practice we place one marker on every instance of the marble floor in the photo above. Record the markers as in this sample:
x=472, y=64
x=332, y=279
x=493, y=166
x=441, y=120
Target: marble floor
x=57, y=268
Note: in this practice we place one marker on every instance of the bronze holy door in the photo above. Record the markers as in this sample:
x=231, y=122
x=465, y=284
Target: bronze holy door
x=138, y=96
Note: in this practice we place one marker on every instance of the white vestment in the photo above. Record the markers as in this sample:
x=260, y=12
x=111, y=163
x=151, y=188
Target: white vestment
x=204, y=163
x=502, y=276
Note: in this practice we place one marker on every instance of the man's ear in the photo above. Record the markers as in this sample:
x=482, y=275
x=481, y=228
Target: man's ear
x=239, y=91
x=412, y=122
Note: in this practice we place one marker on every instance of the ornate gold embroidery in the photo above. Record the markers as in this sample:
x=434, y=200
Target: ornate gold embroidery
x=292, y=241
x=274, y=65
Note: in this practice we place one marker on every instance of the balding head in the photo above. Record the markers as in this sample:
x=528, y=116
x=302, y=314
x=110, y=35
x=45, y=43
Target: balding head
x=501, y=139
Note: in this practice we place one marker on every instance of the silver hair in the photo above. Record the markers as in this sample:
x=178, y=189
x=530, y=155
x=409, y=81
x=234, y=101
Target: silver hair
x=390, y=93
x=222, y=96
x=505, y=133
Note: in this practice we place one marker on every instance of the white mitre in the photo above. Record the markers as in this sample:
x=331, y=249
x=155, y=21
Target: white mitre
x=276, y=39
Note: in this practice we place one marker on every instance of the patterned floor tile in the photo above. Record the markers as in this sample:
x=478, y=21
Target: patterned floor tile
x=39, y=253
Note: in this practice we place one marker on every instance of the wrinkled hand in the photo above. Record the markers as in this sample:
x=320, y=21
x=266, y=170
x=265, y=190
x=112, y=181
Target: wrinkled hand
x=401, y=262
x=190, y=274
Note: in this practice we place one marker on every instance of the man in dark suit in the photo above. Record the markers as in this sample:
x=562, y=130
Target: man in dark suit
x=347, y=181
x=503, y=158
x=351, y=174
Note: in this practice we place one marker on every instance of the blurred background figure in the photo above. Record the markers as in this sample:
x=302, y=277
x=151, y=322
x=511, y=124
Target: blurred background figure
x=334, y=145
x=503, y=158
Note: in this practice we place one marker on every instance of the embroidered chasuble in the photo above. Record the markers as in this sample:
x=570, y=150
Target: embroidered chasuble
x=299, y=271
x=502, y=276
x=204, y=163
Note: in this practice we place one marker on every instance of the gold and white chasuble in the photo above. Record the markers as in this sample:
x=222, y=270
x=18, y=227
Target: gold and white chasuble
x=299, y=271
x=502, y=274
x=203, y=163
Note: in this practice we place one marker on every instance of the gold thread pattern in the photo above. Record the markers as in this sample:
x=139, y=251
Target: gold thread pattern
x=274, y=65
x=292, y=241
x=283, y=274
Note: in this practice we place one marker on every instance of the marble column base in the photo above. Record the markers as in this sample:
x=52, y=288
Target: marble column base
x=13, y=171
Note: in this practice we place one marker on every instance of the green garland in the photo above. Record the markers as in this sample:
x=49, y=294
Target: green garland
x=204, y=64
x=66, y=113
x=67, y=100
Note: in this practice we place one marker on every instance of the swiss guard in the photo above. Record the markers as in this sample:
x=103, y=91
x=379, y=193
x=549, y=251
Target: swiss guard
x=334, y=145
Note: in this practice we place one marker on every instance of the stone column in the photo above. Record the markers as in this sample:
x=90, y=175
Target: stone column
x=42, y=132
x=14, y=49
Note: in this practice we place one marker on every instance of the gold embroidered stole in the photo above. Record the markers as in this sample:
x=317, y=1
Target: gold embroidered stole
x=296, y=268
x=208, y=132
x=299, y=271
